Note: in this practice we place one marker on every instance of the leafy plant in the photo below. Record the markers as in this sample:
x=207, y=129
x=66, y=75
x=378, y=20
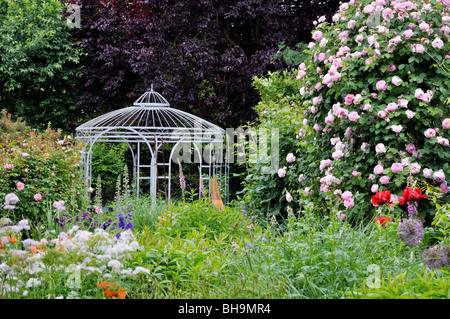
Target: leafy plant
x=40, y=68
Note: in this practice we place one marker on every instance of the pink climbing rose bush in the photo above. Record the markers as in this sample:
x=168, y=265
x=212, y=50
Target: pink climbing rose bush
x=375, y=94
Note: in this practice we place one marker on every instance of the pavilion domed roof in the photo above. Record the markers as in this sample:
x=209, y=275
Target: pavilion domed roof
x=150, y=117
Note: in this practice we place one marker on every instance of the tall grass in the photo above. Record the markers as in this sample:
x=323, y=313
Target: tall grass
x=315, y=257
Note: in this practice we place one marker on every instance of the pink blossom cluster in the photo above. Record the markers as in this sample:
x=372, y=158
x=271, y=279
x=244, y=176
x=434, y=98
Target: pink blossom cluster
x=352, y=41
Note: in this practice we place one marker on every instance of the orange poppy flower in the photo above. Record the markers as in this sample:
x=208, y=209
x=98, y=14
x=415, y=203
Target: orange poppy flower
x=111, y=290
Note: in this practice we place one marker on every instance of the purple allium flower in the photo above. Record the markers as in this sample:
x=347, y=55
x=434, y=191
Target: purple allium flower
x=410, y=231
x=434, y=257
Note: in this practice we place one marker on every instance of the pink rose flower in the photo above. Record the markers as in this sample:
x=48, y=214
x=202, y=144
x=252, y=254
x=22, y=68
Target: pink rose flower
x=337, y=154
x=351, y=24
x=430, y=133
x=410, y=148
x=380, y=148
x=381, y=85
x=324, y=164
x=307, y=191
x=388, y=14
x=369, y=9
x=397, y=168
x=423, y=26
x=281, y=172
x=329, y=119
x=427, y=172
x=20, y=186
x=437, y=43
x=317, y=35
x=301, y=74
x=392, y=68
x=418, y=48
x=349, y=99
x=408, y=34
x=378, y=169
x=414, y=168
x=442, y=141
x=288, y=197
x=396, y=80
x=382, y=114
x=439, y=176
x=384, y=180
x=353, y=116
x=391, y=107
x=410, y=114
x=355, y=173
x=446, y=123
x=341, y=216
x=349, y=203
x=37, y=197
x=317, y=100
x=403, y=103
x=444, y=188
x=346, y=195
x=419, y=94
x=397, y=128
x=290, y=158
x=374, y=188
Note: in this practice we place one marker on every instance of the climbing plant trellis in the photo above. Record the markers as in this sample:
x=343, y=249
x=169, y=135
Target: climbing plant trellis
x=152, y=123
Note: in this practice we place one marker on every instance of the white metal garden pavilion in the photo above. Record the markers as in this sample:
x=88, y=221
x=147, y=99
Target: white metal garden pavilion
x=152, y=123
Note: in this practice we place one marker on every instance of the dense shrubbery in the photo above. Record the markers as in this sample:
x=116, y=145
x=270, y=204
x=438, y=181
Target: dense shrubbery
x=374, y=97
x=39, y=63
x=40, y=169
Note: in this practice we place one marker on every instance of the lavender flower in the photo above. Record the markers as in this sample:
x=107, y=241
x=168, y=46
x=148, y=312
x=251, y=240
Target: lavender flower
x=412, y=209
x=182, y=182
x=182, y=179
x=410, y=231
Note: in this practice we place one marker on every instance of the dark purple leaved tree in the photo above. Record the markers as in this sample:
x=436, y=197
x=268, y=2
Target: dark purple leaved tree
x=200, y=55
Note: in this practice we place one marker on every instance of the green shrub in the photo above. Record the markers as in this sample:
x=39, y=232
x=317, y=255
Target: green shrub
x=40, y=168
x=368, y=97
x=39, y=69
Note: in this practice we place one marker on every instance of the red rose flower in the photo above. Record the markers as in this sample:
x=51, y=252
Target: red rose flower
x=382, y=220
x=381, y=198
x=410, y=194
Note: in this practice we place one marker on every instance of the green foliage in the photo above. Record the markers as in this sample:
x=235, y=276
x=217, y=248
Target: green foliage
x=38, y=62
x=425, y=284
x=344, y=110
x=441, y=222
x=278, y=111
x=108, y=161
x=180, y=219
x=292, y=57
x=46, y=163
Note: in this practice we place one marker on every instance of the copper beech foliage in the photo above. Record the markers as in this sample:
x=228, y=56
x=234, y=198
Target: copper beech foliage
x=200, y=55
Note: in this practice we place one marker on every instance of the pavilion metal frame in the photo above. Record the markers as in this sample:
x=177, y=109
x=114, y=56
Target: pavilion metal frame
x=151, y=122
